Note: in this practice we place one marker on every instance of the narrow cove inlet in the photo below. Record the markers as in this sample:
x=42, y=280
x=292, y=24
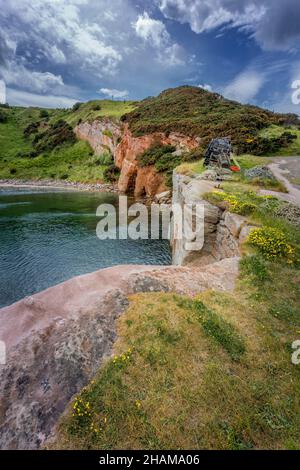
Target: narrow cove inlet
x=49, y=236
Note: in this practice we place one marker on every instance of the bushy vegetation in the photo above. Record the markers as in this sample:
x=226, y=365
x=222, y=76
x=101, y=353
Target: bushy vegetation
x=3, y=115
x=55, y=135
x=272, y=243
x=165, y=159
x=196, y=112
x=263, y=145
x=111, y=174
x=38, y=144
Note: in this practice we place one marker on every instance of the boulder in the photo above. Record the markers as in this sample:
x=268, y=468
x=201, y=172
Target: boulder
x=259, y=172
x=162, y=197
x=234, y=223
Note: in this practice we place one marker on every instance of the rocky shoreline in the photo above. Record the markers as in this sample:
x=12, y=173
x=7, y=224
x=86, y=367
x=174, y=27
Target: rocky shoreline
x=59, y=184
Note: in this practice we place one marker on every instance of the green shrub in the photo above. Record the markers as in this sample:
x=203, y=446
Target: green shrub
x=96, y=107
x=56, y=135
x=76, y=106
x=262, y=145
x=111, y=174
x=3, y=116
x=152, y=155
x=44, y=114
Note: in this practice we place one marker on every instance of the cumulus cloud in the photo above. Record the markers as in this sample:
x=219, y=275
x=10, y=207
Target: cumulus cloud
x=23, y=98
x=151, y=30
x=117, y=94
x=245, y=86
x=40, y=82
x=206, y=87
x=56, y=30
x=274, y=23
x=170, y=54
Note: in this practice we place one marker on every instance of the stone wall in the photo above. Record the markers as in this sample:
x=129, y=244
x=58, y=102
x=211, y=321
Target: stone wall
x=224, y=232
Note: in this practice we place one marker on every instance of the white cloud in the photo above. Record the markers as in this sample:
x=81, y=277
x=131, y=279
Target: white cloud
x=151, y=30
x=172, y=56
x=154, y=32
x=117, y=94
x=40, y=82
x=59, y=29
x=206, y=87
x=274, y=23
x=23, y=98
x=245, y=86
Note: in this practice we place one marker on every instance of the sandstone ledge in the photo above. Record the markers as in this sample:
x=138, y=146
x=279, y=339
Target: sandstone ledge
x=57, y=339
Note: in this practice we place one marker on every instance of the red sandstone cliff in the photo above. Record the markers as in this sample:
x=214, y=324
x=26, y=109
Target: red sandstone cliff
x=145, y=181
x=107, y=135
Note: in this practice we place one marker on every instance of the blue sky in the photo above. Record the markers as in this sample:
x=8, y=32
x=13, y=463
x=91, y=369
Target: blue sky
x=57, y=52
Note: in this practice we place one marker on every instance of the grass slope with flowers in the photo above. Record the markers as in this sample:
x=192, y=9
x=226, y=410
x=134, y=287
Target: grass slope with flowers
x=213, y=372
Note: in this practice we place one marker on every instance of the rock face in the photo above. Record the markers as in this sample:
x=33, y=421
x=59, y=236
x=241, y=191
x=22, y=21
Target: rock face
x=102, y=135
x=224, y=232
x=56, y=340
x=145, y=181
x=106, y=135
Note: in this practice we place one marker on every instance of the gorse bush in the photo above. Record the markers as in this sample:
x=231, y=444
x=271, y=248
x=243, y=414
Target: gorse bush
x=56, y=135
x=263, y=146
x=272, y=243
x=152, y=155
x=196, y=112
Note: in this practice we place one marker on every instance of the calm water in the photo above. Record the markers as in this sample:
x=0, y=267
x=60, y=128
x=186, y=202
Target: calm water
x=47, y=237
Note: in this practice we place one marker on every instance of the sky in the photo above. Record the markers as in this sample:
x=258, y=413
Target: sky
x=54, y=53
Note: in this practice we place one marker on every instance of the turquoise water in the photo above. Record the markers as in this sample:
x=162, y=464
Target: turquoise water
x=49, y=236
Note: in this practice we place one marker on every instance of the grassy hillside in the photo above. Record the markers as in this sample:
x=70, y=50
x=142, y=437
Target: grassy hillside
x=214, y=372
x=195, y=111
x=189, y=110
x=67, y=160
x=293, y=149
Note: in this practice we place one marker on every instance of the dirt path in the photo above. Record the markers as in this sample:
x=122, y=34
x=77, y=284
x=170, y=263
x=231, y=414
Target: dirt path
x=286, y=170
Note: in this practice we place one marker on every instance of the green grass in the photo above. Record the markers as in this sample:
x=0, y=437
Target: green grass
x=71, y=162
x=86, y=112
x=209, y=373
x=212, y=372
x=276, y=131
